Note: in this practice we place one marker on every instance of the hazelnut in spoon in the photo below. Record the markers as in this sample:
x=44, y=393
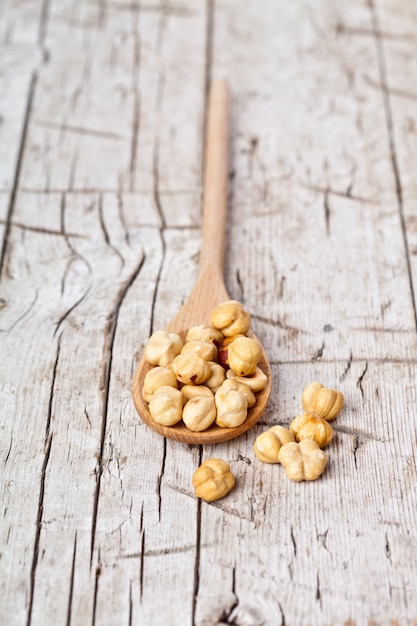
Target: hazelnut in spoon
x=209, y=290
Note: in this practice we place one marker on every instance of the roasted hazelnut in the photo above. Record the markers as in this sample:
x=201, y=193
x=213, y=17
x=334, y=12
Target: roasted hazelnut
x=256, y=381
x=165, y=406
x=207, y=351
x=191, y=391
x=237, y=386
x=216, y=377
x=232, y=408
x=199, y=413
x=162, y=348
x=213, y=480
x=302, y=461
x=205, y=334
x=231, y=318
x=191, y=368
x=321, y=401
x=309, y=426
x=223, y=351
x=157, y=377
x=268, y=444
x=244, y=354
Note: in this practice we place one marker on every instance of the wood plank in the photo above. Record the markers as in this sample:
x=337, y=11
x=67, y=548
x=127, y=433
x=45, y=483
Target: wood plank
x=321, y=205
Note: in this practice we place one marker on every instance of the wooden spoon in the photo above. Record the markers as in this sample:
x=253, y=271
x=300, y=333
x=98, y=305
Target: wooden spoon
x=209, y=289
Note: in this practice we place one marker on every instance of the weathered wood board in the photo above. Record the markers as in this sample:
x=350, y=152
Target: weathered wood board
x=102, y=120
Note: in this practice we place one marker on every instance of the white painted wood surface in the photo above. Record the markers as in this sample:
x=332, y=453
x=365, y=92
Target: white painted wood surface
x=102, y=109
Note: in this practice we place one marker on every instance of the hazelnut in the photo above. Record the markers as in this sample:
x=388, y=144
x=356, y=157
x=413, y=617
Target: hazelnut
x=207, y=351
x=213, y=480
x=199, y=413
x=268, y=444
x=191, y=368
x=157, y=377
x=308, y=426
x=231, y=318
x=216, y=377
x=165, y=406
x=302, y=461
x=162, y=348
x=256, y=381
x=247, y=391
x=244, y=354
x=191, y=391
x=232, y=408
x=223, y=351
x=321, y=401
x=204, y=333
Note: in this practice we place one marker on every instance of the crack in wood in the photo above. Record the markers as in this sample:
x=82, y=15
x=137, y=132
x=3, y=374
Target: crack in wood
x=79, y=130
x=344, y=29
x=134, y=139
x=317, y=355
x=142, y=565
x=105, y=232
x=228, y=616
x=72, y=579
x=157, y=283
x=110, y=334
x=347, y=368
x=360, y=379
x=41, y=230
x=326, y=206
x=70, y=310
x=392, y=146
x=24, y=314
x=161, y=476
x=360, y=434
x=342, y=194
x=47, y=452
x=97, y=575
x=74, y=253
x=18, y=168
x=196, y=582
x=130, y=616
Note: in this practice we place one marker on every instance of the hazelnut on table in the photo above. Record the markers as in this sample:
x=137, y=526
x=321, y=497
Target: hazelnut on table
x=324, y=402
x=309, y=426
x=213, y=480
x=268, y=444
x=302, y=461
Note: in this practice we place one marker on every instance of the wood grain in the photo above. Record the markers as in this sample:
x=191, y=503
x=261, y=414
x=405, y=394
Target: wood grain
x=103, y=114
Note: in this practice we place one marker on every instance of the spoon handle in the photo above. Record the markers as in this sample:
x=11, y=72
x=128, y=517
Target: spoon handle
x=215, y=180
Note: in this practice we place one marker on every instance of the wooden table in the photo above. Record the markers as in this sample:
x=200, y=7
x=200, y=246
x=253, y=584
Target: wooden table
x=101, y=154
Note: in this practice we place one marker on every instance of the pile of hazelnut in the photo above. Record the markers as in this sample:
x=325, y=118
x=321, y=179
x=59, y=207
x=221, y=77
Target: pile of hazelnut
x=210, y=378
x=299, y=448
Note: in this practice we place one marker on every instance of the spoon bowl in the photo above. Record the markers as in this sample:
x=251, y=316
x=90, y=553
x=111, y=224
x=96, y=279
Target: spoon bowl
x=209, y=290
